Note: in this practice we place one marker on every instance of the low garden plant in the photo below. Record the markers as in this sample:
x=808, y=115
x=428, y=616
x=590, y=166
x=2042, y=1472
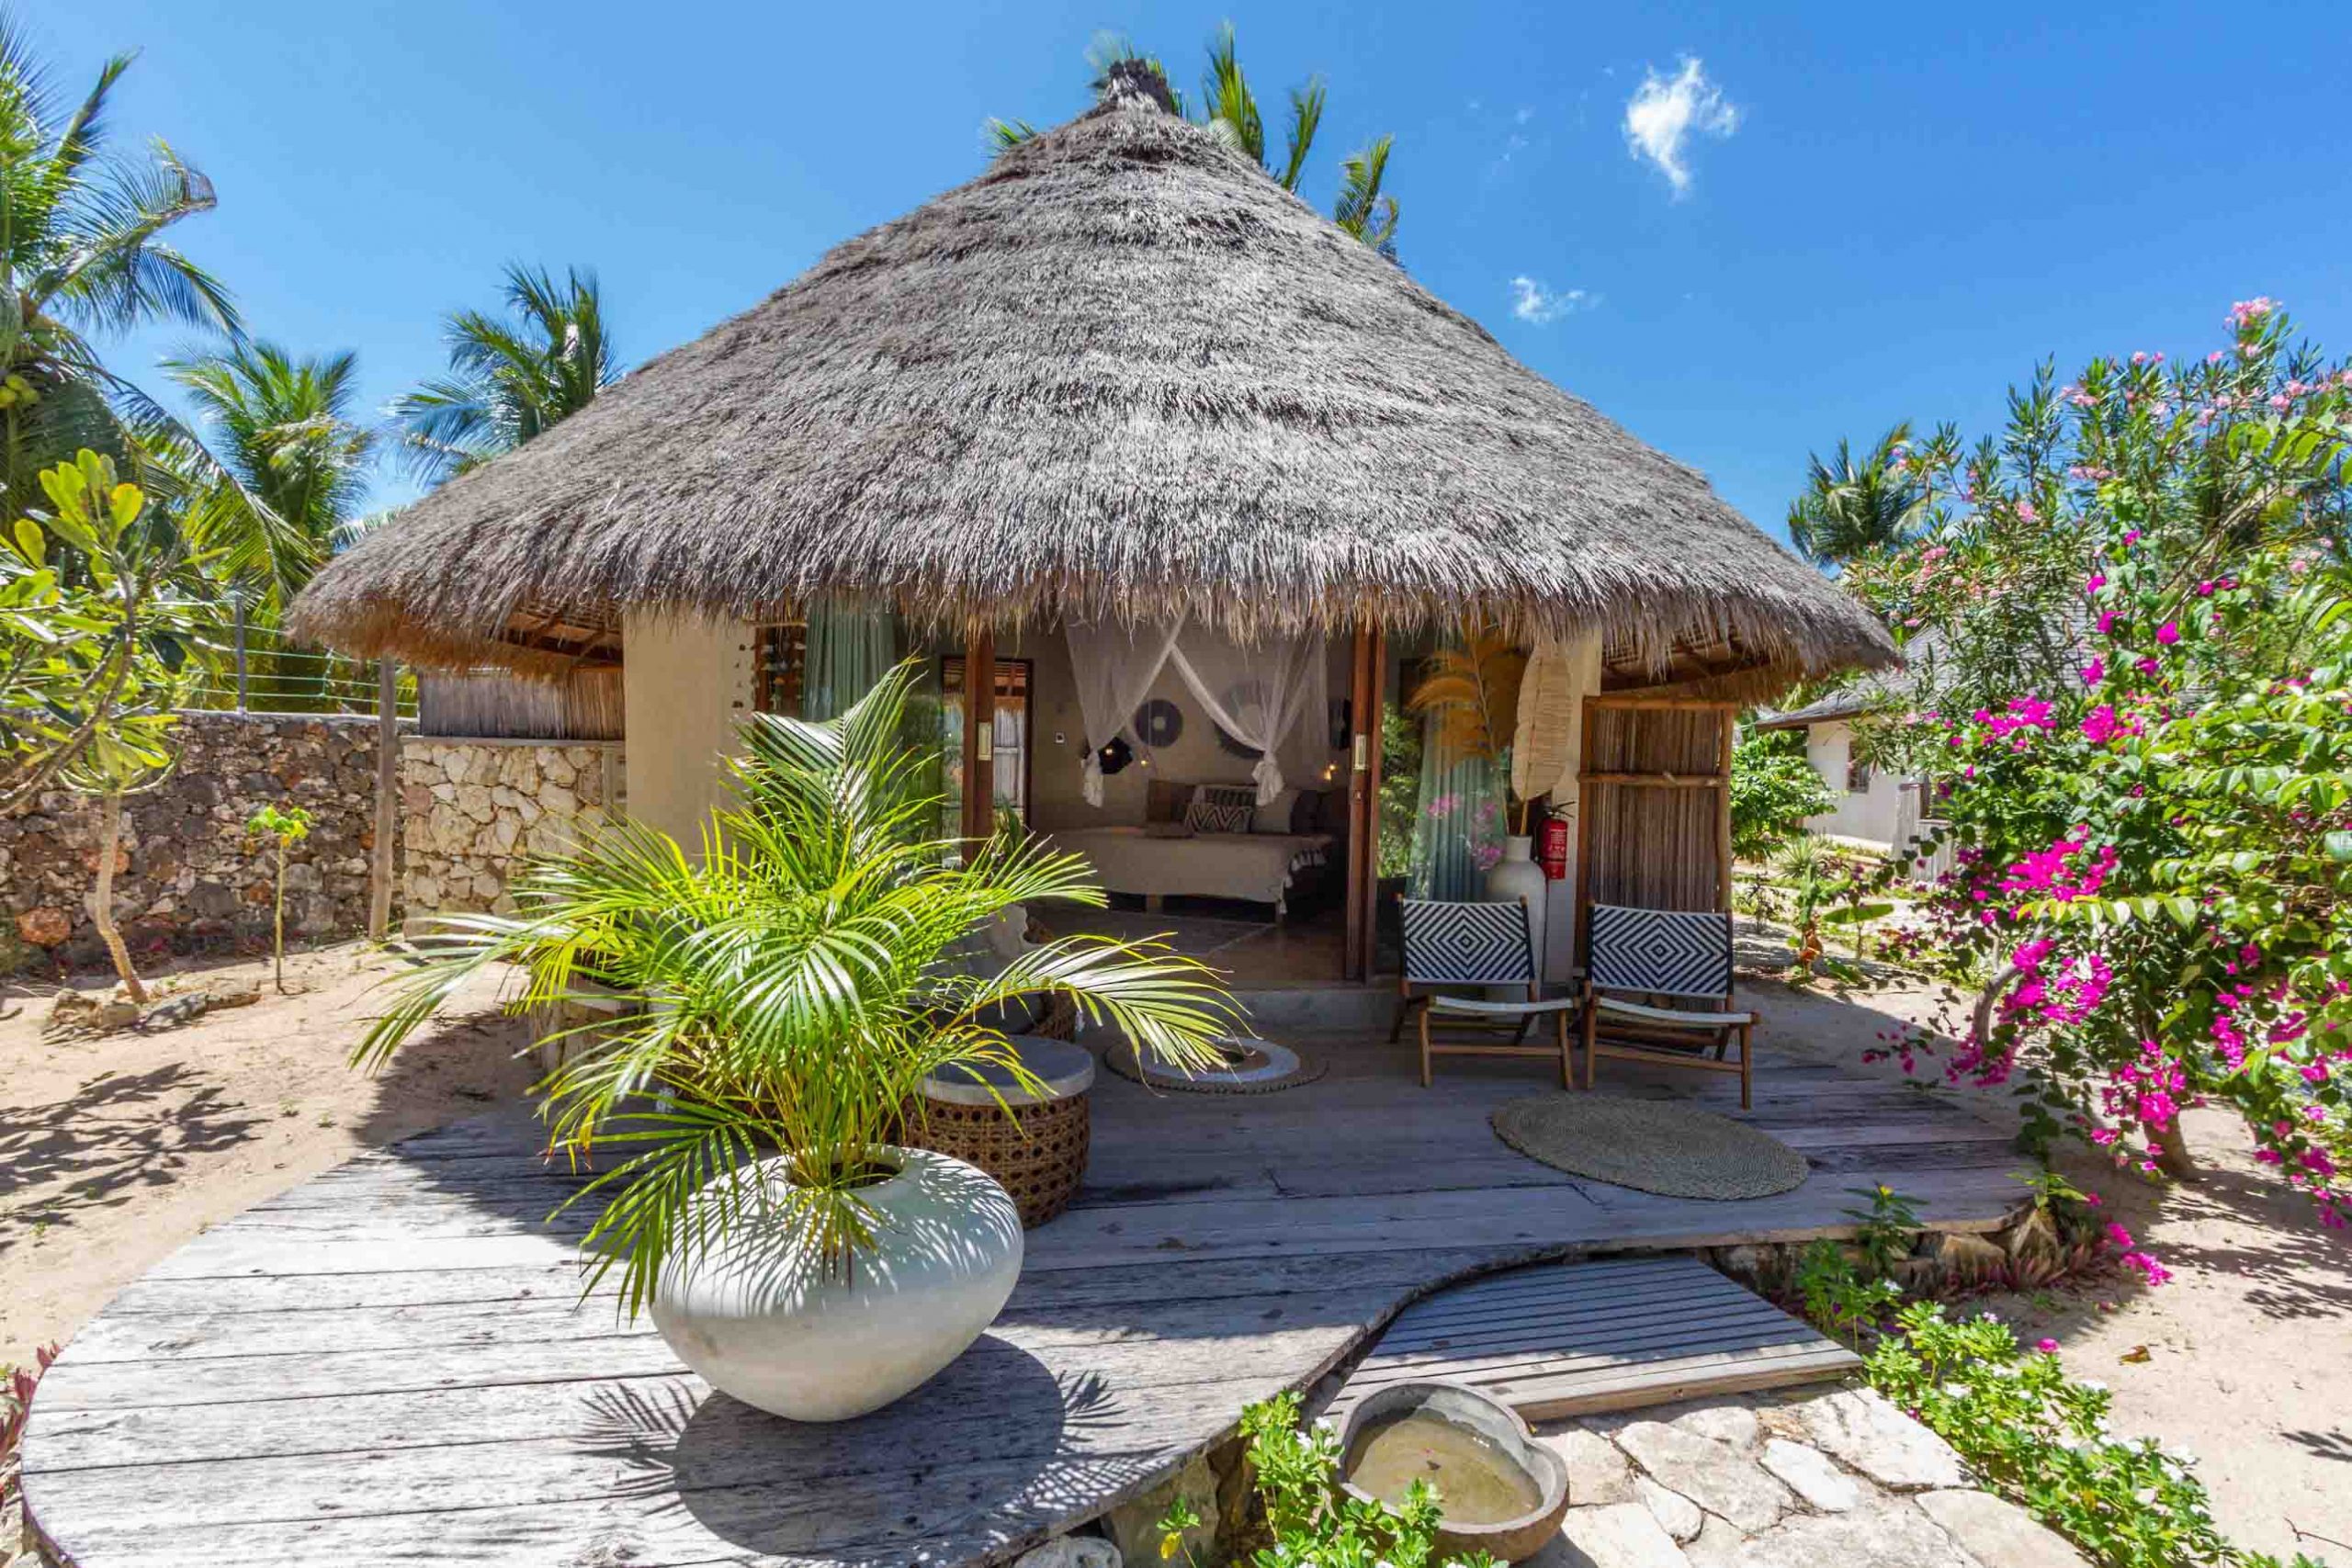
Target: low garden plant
x=1308, y=1522
x=285, y=827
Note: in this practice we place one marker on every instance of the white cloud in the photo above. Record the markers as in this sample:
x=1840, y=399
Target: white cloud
x=1664, y=113
x=1531, y=302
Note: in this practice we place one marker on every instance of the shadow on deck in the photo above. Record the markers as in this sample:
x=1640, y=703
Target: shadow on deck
x=394, y=1360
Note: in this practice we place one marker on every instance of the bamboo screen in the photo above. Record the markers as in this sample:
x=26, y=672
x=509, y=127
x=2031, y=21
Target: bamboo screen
x=1650, y=842
x=585, y=704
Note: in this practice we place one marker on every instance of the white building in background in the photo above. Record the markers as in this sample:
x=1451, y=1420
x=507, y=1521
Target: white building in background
x=1875, y=808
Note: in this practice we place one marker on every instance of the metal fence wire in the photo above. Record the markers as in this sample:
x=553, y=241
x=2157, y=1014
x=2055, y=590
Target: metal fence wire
x=255, y=669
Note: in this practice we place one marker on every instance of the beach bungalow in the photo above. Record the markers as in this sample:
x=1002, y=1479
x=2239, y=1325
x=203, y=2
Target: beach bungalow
x=1172, y=483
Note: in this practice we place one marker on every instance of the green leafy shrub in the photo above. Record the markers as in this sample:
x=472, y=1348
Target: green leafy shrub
x=1311, y=1522
x=1773, y=790
x=2039, y=1437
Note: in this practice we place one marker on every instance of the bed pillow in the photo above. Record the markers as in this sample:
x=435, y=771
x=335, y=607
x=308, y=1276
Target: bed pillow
x=1221, y=808
x=1164, y=800
x=1276, y=815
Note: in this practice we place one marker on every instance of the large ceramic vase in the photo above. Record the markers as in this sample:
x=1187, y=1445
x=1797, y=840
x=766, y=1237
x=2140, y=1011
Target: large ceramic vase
x=762, y=1318
x=1516, y=875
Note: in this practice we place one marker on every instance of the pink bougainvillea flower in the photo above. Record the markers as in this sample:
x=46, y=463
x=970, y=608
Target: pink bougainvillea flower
x=2169, y=633
x=2107, y=622
x=2047, y=1347
x=2094, y=671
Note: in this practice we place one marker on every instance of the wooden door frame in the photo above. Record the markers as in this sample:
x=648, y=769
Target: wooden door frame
x=1368, y=669
x=980, y=721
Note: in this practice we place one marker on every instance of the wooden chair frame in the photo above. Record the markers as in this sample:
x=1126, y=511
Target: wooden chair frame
x=1671, y=1036
x=1481, y=1016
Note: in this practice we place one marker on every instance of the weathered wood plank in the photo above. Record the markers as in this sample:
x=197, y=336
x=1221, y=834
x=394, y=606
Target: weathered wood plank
x=392, y=1361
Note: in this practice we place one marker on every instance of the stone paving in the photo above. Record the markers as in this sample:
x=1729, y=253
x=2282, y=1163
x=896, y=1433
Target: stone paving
x=1806, y=1479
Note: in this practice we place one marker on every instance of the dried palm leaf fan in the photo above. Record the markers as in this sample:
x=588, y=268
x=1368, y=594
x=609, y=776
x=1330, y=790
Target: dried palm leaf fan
x=1472, y=690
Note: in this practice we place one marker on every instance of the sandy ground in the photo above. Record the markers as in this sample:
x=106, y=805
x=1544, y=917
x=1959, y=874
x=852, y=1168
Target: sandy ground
x=2248, y=1351
x=116, y=1151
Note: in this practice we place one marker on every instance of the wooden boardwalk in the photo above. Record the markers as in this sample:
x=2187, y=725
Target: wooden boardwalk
x=1557, y=1340
x=391, y=1363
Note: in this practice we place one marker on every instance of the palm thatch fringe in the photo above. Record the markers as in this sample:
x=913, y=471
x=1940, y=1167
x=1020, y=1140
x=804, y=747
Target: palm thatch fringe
x=1122, y=374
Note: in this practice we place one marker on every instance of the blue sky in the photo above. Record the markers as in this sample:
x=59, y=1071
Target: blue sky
x=1883, y=212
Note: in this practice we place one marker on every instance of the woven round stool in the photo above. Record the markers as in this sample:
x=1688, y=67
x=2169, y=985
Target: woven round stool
x=1034, y=1143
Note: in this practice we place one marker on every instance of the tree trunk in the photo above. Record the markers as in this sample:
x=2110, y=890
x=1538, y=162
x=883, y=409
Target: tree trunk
x=102, y=911
x=278, y=924
x=2173, y=1156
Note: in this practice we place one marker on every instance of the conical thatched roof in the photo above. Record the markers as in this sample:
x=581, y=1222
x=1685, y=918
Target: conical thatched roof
x=1122, y=373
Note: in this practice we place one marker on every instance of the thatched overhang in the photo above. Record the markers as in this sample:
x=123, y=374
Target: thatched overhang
x=1122, y=373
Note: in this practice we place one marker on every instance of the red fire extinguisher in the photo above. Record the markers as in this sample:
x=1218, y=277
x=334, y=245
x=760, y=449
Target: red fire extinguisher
x=1552, y=849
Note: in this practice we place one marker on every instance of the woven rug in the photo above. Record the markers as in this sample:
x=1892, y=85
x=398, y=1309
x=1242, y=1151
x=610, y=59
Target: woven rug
x=1651, y=1146
x=1253, y=1067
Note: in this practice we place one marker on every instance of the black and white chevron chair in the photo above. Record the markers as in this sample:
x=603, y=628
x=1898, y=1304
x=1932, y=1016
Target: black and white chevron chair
x=1476, y=945
x=1662, y=956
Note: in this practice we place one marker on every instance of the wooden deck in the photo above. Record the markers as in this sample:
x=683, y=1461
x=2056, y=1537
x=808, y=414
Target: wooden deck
x=1559, y=1340
x=390, y=1363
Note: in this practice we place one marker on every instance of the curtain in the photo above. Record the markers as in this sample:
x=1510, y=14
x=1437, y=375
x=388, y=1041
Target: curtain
x=850, y=648
x=1258, y=694
x=1458, y=822
x=1115, y=667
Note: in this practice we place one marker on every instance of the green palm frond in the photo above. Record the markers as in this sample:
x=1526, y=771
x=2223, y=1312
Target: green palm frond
x=1362, y=209
x=789, y=985
x=511, y=374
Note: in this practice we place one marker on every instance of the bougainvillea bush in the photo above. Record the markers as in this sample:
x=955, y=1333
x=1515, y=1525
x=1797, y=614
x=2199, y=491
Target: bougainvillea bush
x=2136, y=719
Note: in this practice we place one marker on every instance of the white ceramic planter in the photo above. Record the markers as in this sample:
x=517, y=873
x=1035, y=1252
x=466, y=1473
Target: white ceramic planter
x=1516, y=875
x=758, y=1319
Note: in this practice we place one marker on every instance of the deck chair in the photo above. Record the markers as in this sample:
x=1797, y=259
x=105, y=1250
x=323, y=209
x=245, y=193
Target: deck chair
x=1476, y=945
x=1662, y=955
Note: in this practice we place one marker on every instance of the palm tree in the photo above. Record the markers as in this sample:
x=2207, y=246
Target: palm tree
x=283, y=427
x=82, y=252
x=1852, y=508
x=1229, y=108
x=510, y=376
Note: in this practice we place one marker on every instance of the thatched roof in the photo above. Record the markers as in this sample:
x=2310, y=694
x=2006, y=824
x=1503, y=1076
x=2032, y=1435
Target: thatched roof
x=1122, y=373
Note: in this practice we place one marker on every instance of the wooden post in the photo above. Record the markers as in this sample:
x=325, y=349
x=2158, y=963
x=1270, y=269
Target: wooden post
x=388, y=799
x=1587, y=799
x=1723, y=815
x=980, y=732
x=1367, y=670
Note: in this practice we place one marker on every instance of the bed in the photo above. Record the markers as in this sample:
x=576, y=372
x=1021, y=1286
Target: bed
x=1259, y=867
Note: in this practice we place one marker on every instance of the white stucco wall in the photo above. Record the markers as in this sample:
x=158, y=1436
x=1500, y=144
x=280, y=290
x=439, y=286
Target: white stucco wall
x=688, y=682
x=1872, y=815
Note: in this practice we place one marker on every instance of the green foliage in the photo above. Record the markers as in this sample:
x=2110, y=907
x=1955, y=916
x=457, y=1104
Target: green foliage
x=1856, y=507
x=1400, y=790
x=1312, y=1522
x=94, y=643
x=1884, y=1230
x=511, y=375
x=1836, y=1298
x=793, y=984
x=2028, y=1431
x=1773, y=789
x=286, y=825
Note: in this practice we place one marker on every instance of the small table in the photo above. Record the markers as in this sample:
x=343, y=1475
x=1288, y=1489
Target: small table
x=1034, y=1141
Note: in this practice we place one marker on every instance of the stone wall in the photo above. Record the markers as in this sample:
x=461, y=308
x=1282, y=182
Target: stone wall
x=468, y=806
x=187, y=877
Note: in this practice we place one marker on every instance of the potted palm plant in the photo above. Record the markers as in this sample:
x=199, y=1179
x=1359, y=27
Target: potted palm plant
x=786, y=990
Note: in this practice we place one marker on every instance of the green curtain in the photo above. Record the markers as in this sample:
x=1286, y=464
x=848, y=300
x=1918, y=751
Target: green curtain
x=850, y=648
x=1458, y=826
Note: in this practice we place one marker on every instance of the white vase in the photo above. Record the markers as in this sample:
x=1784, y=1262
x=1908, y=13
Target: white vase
x=1516, y=875
x=759, y=1317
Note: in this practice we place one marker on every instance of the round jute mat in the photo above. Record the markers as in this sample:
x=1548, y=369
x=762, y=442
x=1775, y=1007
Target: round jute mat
x=1650, y=1146
x=1252, y=1066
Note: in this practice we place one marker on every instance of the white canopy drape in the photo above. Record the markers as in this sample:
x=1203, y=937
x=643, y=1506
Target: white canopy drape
x=1115, y=667
x=1258, y=695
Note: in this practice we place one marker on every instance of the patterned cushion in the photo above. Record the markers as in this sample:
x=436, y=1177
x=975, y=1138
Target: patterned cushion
x=1483, y=945
x=1670, y=953
x=1208, y=814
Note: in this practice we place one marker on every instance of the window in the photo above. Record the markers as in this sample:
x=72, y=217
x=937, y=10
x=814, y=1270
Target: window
x=1857, y=775
x=783, y=662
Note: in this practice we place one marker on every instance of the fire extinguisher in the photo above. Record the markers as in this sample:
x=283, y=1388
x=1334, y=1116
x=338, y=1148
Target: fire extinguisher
x=1553, y=849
